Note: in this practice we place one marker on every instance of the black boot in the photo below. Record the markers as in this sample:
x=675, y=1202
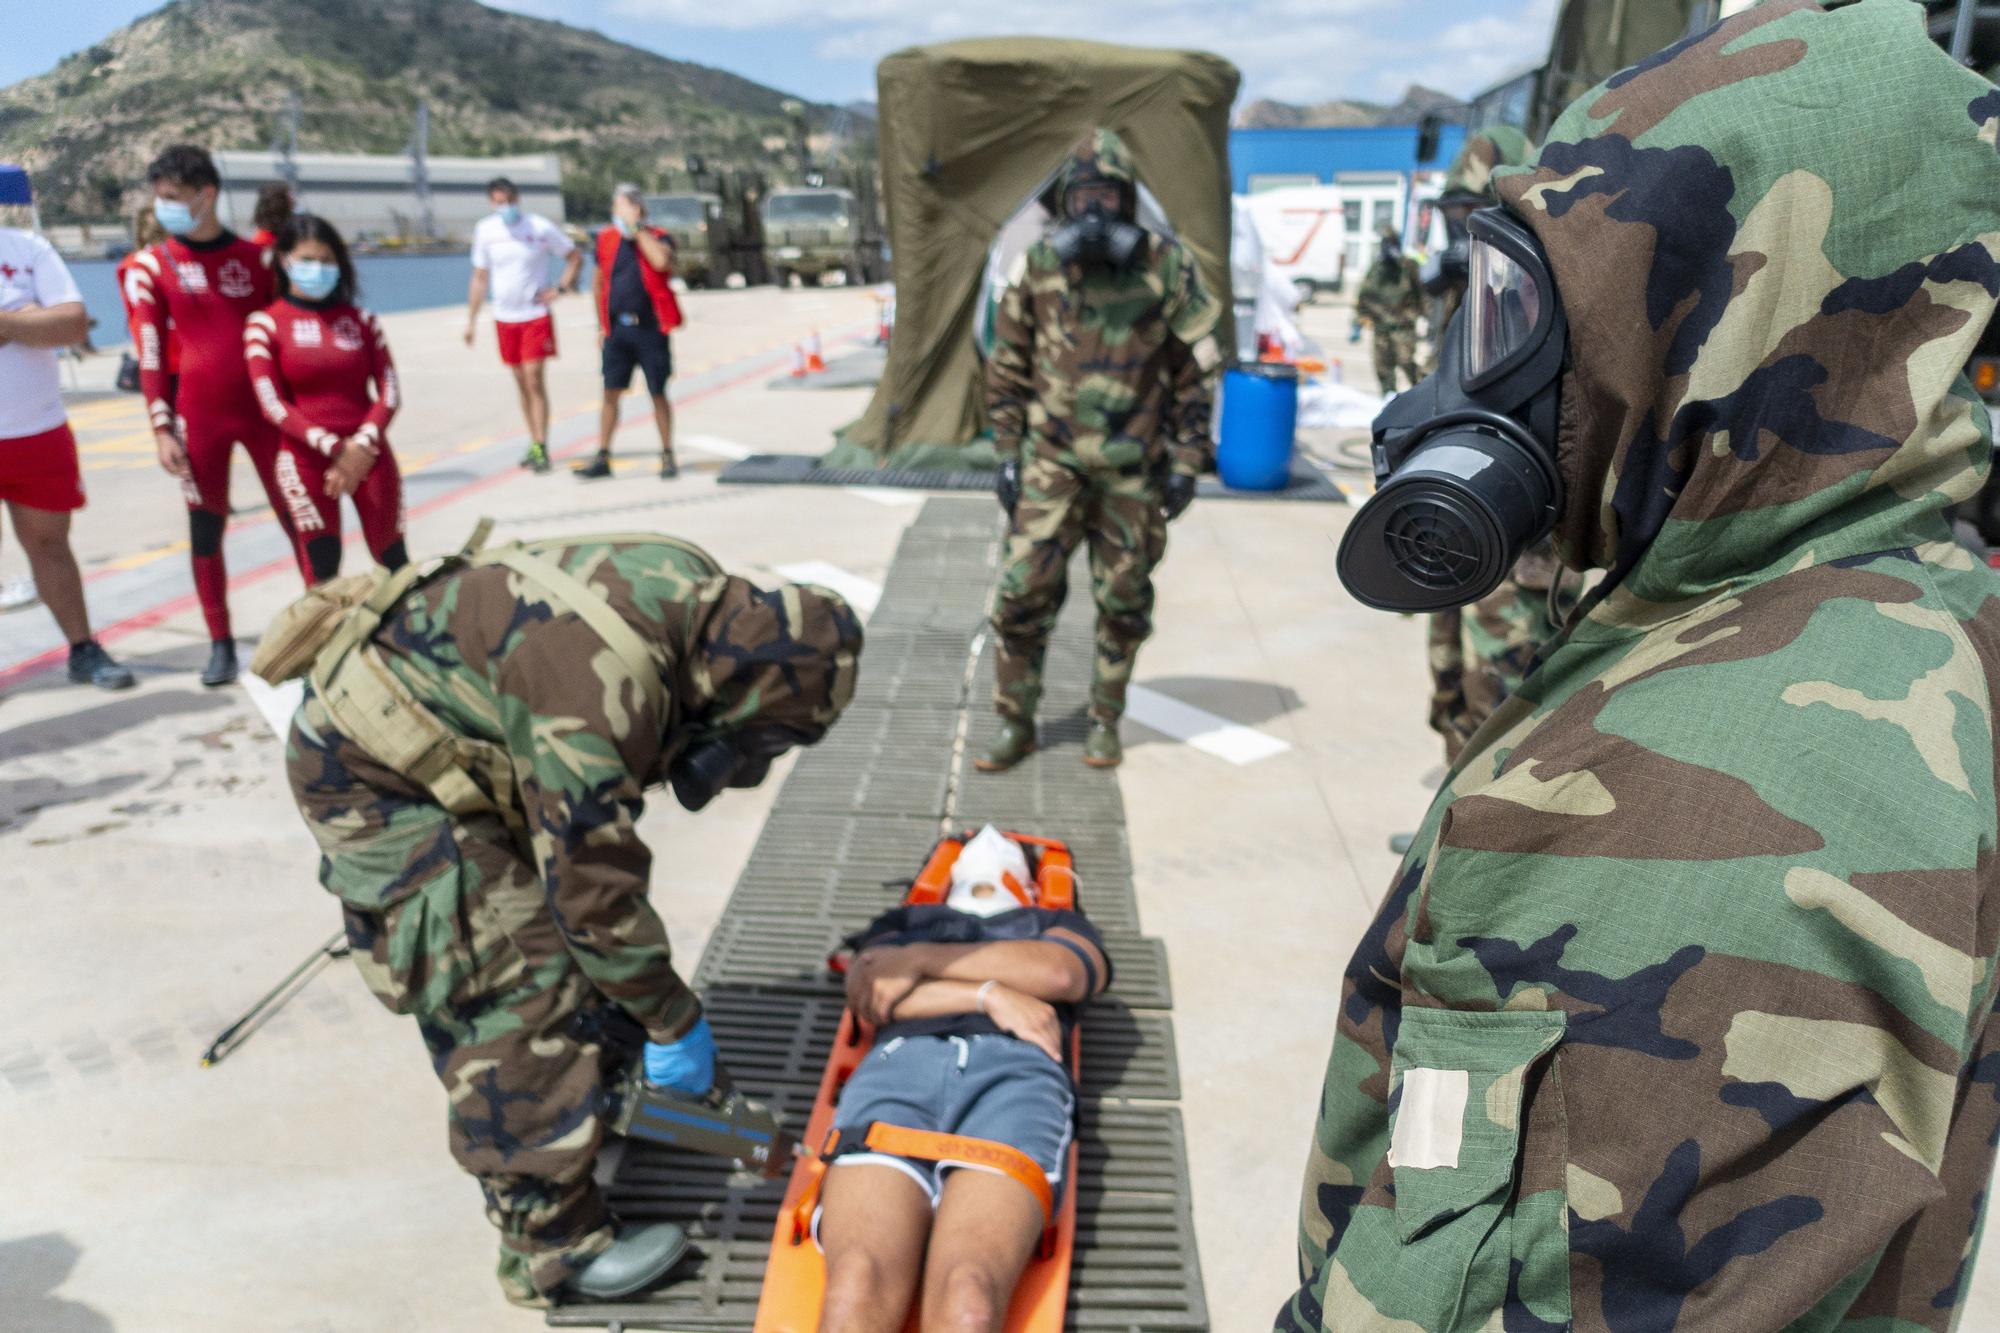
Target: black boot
x=669, y=467
x=89, y=664
x=641, y=1256
x=221, y=668
x=596, y=469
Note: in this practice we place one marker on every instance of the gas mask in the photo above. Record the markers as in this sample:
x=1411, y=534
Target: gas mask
x=1465, y=462
x=1097, y=237
x=718, y=761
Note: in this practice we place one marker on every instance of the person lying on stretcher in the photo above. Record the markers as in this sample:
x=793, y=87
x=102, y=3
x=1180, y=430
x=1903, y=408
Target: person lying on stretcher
x=974, y=1000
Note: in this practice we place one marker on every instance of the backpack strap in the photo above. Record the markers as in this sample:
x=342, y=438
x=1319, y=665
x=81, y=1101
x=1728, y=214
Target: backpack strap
x=572, y=594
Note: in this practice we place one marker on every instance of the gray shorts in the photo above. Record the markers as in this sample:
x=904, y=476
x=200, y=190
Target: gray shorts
x=991, y=1087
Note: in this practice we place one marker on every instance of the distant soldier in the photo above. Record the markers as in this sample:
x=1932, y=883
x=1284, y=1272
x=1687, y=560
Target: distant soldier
x=1392, y=301
x=1099, y=393
x=1479, y=654
x=472, y=760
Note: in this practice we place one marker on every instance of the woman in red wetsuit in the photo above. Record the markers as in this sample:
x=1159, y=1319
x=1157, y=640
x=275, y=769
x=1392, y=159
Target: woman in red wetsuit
x=322, y=373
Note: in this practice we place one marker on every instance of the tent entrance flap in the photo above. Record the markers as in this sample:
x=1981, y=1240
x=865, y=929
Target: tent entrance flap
x=969, y=130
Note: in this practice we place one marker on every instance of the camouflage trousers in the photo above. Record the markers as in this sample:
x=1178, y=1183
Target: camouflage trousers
x=1480, y=654
x=450, y=926
x=1396, y=349
x=1061, y=507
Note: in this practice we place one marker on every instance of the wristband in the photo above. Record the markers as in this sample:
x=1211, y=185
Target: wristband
x=979, y=996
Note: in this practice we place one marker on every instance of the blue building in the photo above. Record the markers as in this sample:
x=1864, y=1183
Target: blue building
x=1373, y=168
x=1271, y=159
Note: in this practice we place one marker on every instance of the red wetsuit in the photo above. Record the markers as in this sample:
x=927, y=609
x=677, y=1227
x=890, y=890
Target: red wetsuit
x=206, y=289
x=129, y=295
x=323, y=377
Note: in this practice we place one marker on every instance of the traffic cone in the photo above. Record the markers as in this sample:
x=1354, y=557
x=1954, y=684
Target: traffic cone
x=798, y=362
x=814, y=363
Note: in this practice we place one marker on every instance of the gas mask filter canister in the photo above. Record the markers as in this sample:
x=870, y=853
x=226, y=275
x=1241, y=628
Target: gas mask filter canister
x=1465, y=462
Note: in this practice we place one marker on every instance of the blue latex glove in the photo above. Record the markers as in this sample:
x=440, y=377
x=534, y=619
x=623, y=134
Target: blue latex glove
x=687, y=1065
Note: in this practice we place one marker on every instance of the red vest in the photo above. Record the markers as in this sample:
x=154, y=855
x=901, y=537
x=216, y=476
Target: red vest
x=666, y=309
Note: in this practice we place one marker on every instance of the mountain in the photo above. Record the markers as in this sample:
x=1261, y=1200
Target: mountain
x=1265, y=114
x=219, y=72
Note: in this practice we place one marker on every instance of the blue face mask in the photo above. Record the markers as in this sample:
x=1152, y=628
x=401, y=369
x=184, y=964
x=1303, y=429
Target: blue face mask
x=510, y=213
x=174, y=215
x=312, y=278
x=625, y=228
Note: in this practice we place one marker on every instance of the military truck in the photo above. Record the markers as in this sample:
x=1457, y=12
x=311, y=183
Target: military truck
x=694, y=222
x=812, y=231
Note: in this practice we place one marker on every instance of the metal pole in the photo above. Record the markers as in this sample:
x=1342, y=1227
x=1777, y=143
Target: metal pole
x=288, y=147
x=1961, y=31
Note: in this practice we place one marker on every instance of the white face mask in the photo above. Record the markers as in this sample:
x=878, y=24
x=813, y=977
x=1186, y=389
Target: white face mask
x=989, y=877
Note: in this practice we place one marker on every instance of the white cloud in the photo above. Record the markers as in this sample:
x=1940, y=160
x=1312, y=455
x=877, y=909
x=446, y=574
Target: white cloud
x=1296, y=50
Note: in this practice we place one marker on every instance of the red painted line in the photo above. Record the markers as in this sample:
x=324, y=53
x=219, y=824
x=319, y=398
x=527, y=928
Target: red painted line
x=132, y=624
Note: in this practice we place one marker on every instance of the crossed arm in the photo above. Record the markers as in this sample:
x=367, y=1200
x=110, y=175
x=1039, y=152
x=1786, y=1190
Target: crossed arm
x=899, y=982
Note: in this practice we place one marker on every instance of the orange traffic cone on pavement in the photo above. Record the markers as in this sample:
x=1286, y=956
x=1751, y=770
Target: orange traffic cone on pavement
x=798, y=362
x=814, y=362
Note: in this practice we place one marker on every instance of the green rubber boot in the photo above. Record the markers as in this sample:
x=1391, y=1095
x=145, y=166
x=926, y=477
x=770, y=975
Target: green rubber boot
x=641, y=1256
x=1015, y=742
x=1101, y=748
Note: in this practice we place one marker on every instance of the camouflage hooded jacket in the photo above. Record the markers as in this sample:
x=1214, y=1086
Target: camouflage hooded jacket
x=1101, y=369
x=1677, y=1015
x=488, y=654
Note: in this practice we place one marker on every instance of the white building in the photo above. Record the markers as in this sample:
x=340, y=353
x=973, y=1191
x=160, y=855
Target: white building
x=374, y=197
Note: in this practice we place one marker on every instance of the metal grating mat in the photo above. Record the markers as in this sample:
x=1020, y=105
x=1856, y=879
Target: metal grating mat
x=856, y=816
x=803, y=470
x=1135, y=1267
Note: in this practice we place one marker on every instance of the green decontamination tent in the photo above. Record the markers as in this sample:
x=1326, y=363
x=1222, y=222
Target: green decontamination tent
x=969, y=131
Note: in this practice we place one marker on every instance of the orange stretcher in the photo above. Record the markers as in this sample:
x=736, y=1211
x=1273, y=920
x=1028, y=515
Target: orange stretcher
x=795, y=1279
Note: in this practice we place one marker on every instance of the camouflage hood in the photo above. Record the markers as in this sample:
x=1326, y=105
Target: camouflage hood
x=1486, y=151
x=786, y=656
x=1772, y=283
x=1102, y=158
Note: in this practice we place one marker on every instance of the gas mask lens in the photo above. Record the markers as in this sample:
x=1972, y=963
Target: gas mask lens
x=1503, y=309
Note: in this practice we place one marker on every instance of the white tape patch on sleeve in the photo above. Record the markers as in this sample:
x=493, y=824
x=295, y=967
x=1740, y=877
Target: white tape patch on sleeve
x=1430, y=1124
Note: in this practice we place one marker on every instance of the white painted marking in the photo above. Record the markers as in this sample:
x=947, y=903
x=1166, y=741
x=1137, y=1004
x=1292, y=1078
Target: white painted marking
x=1200, y=728
x=862, y=594
x=276, y=702
x=883, y=495
x=714, y=444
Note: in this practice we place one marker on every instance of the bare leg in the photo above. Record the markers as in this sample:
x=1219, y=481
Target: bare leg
x=521, y=387
x=872, y=1225
x=607, y=421
x=986, y=1230
x=663, y=417
x=44, y=536
x=535, y=387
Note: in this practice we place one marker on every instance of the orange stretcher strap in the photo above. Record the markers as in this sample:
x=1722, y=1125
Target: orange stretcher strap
x=925, y=1145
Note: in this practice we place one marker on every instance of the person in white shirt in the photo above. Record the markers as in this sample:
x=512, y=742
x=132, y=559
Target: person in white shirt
x=41, y=478
x=510, y=261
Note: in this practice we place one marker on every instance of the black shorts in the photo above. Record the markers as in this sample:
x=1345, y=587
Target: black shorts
x=648, y=349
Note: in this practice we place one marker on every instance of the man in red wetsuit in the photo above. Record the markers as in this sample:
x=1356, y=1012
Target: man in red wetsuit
x=323, y=376
x=206, y=281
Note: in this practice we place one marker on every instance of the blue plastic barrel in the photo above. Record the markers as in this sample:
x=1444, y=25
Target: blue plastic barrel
x=1260, y=414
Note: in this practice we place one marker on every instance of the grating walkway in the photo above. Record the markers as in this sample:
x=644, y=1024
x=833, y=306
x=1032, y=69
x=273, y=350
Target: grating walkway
x=852, y=823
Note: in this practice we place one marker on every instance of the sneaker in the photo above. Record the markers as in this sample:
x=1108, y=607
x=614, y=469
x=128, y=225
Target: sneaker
x=17, y=593
x=640, y=1256
x=1015, y=742
x=1101, y=748
x=598, y=468
x=537, y=457
x=89, y=664
x=221, y=668
x=669, y=468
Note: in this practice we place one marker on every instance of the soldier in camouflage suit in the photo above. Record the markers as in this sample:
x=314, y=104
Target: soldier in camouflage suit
x=500, y=935
x=1391, y=300
x=1678, y=1015
x=1468, y=185
x=1099, y=385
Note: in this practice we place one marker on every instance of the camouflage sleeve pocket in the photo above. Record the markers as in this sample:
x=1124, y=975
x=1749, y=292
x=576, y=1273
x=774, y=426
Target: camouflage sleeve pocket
x=1455, y=1114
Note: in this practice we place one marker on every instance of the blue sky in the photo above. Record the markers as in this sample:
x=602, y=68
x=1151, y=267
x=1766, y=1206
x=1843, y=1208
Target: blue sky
x=1296, y=50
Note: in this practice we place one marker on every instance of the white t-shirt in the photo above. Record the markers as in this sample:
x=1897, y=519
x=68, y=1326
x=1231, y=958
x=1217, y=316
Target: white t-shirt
x=516, y=258
x=31, y=273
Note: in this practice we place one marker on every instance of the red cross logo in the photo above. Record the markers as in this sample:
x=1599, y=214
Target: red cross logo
x=8, y=271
